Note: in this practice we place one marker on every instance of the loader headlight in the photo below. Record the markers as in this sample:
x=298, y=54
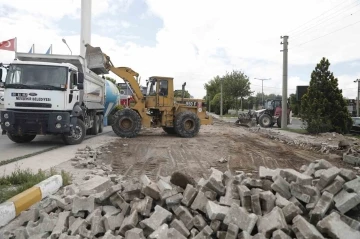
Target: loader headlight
x=59, y=117
x=7, y=123
x=6, y=115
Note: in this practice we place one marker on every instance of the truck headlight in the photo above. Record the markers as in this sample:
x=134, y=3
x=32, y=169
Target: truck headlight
x=58, y=125
x=6, y=115
x=59, y=117
x=7, y=123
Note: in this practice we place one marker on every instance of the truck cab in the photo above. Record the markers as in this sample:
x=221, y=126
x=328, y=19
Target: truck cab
x=42, y=98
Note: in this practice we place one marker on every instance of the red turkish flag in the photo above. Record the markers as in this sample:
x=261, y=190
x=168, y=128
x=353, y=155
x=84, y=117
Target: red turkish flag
x=8, y=45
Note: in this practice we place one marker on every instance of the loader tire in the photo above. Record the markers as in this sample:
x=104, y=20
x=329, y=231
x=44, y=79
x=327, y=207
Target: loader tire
x=265, y=121
x=187, y=124
x=127, y=123
x=20, y=139
x=169, y=130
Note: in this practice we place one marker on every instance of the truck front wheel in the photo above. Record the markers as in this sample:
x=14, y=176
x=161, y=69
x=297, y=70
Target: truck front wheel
x=21, y=138
x=78, y=134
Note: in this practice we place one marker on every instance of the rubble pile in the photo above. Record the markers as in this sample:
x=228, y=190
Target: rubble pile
x=282, y=204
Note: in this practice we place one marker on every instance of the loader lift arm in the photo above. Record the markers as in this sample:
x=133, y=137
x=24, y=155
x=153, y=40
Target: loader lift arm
x=100, y=63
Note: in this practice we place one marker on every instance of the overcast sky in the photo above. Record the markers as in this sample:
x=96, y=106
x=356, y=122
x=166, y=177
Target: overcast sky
x=195, y=40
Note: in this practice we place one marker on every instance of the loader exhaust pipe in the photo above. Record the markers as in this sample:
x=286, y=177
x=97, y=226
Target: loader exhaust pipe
x=183, y=92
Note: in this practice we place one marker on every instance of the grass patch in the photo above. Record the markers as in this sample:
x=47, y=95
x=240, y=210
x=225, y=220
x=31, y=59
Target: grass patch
x=298, y=131
x=22, y=179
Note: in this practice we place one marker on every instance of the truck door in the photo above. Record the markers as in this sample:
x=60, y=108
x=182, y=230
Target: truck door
x=73, y=92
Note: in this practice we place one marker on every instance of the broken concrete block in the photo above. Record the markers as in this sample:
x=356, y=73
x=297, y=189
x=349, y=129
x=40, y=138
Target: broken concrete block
x=280, y=201
x=96, y=183
x=30, y=215
x=113, y=222
x=199, y=222
x=298, y=204
x=102, y=196
x=344, y=201
x=118, y=201
x=281, y=186
x=185, y=216
x=145, y=180
x=74, y=227
x=351, y=222
x=160, y=232
x=334, y=227
x=97, y=223
x=304, y=193
x=215, y=182
x=244, y=235
x=347, y=174
x=292, y=175
x=335, y=186
x=303, y=229
x=327, y=177
x=135, y=233
x=110, y=210
x=279, y=234
x=142, y=206
x=232, y=231
x=189, y=195
x=353, y=186
x=152, y=190
x=290, y=211
x=252, y=183
x=173, y=233
x=259, y=236
x=180, y=227
x=200, y=202
x=83, y=204
x=215, y=225
x=245, y=197
x=174, y=200
x=267, y=173
x=215, y=211
x=267, y=201
x=129, y=223
x=272, y=221
x=204, y=233
x=131, y=191
x=323, y=164
x=241, y=218
x=255, y=204
x=61, y=224
x=182, y=179
x=159, y=217
x=163, y=185
x=322, y=206
x=309, y=170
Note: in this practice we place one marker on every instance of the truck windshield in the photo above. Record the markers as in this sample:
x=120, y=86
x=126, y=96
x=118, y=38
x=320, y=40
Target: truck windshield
x=36, y=77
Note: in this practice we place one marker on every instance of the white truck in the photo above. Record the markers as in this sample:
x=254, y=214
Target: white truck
x=52, y=95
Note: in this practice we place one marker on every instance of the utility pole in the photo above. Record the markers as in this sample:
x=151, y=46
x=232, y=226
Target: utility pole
x=221, y=98
x=262, y=90
x=357, y=97
x=285, y=81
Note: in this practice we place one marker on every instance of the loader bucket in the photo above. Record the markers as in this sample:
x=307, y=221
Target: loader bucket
x=96, y=60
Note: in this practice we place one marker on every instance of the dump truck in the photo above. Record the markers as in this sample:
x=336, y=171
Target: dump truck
x=156, y=108
x=52, y=95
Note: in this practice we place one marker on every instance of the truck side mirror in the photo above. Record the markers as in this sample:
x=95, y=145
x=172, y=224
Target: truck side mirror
x=2, y=84
x=80, y=86
x=80, y=78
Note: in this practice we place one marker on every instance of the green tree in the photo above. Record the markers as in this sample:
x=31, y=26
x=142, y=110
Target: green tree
x=113, y=81
x=294, y=104
x=177, y=93
x=323, y=106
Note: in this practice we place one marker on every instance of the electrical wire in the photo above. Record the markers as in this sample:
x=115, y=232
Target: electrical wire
x=297, y=35
x=316, y=17
x=325, y=35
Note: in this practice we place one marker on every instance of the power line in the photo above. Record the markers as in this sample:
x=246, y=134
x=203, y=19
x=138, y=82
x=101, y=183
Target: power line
x=326, y=34
x=297, y=35
x=316, y=17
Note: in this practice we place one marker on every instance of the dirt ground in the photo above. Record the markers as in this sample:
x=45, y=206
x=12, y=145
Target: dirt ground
x=156, y=154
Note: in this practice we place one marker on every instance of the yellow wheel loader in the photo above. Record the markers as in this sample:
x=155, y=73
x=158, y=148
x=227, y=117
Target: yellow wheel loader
x=156, y=108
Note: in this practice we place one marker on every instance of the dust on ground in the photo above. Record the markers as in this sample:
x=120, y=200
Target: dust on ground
x=156, y=153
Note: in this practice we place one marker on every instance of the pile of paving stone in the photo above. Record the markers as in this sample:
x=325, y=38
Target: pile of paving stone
x=282, y=204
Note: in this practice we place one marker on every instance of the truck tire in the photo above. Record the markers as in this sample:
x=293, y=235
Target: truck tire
x=101, y=123
x=265, y=121
x=169, y=130
x=95, y=129
x=80, y=132
x=127, y=123
x=21, y=138
x=187, y=124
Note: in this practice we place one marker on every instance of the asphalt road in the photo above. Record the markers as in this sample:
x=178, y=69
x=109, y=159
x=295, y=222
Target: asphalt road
x=10, y=150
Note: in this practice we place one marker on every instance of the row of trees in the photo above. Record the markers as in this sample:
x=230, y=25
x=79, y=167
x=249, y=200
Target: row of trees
x=323, y=107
